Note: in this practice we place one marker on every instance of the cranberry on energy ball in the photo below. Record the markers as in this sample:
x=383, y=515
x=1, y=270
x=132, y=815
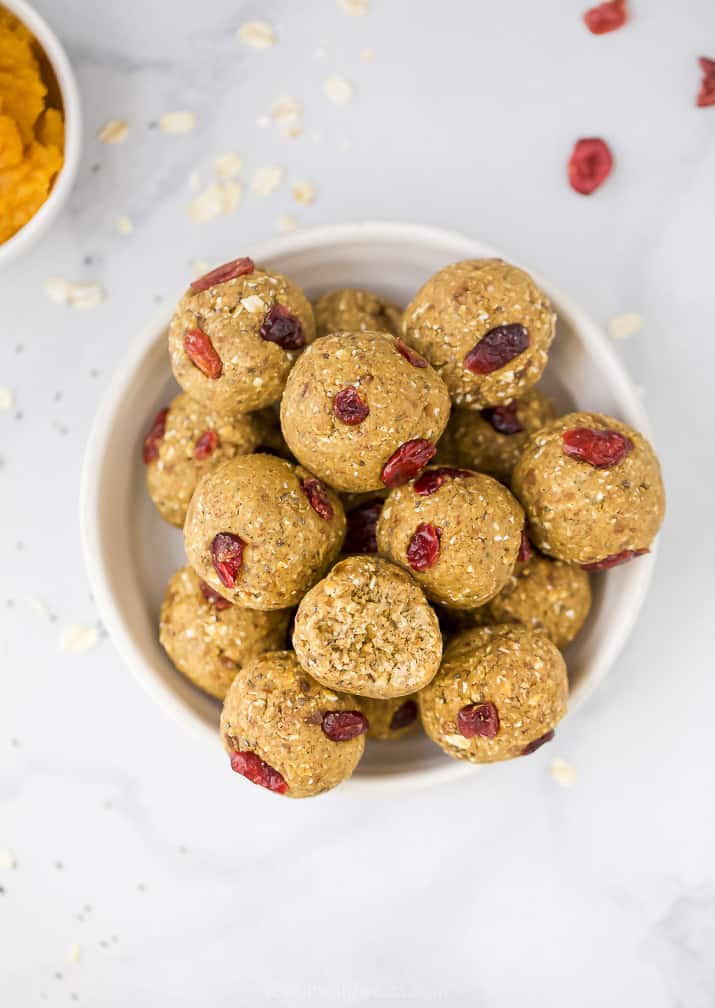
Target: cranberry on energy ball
x=496, y=348
x=349, y=407
x=504, y=419
x=202, y=353
x=150, y=446
x=228, y=271
x=599, y=448
x=423, y=548
x=341, y=726
x=318, y=497
x=206, y=445
x=283, y=327
x=361, y=535
x=227, y=556
x=478, y=720
x=405, y=463
x=258, y=771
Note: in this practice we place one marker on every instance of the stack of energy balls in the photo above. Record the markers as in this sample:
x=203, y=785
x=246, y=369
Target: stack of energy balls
x=395, y=485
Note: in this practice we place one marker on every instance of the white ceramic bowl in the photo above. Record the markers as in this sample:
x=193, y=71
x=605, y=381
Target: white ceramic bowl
x=130, y=552
x=64, y=75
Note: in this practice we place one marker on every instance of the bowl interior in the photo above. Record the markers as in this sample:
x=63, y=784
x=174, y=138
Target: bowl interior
x=131, y=552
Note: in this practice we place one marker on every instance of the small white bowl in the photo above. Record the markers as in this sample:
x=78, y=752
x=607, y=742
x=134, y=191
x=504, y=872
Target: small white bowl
x=130, y=552
x=71, y=108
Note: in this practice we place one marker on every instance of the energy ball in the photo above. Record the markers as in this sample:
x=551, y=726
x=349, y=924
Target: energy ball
x=261, y=531
x=286, y=732
x=492, y=439
x=367, y=629
x=185, y=441
x=545, y=594
x=485, y=327
x=235, y=335
x=363, y=411
x=350, y=310
x=457, y=531
x=592, y=490
x=500, y=692
x=208, y=639
x=390, y=719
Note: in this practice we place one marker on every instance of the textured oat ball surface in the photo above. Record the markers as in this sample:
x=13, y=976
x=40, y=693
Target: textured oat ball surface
x=208, y=639
x=390, y=719
x=466, y=303
x=281, y=544
x=232, y=316
x=545, y=594
x=353, y=310
x=276, y=712
x=352, y=400
x=499, y=691
x=196, y=439
x=579, y=512
x=367, y=629
x=459, y=540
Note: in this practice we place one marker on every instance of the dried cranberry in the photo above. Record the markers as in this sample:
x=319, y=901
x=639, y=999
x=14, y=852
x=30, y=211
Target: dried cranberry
x=206, y=445
x=227, y=555
x=600, y=448
x=406, y=714
x=706, y=95
x=405, y=463
x=526, y=550
x=478, y=720
x=423, y=547
x=318, y=497
x=415, y=359
x=282, y=327
x=257, y=771
x=504, y=419
x=229, y=271
x=341, y=726
x=216, y=600
x=496, y=348
x=606, y=17
x=429, y=482
x=361, y=535
x=590, y=165
x=202, y=353
x=614, y=560
x=349, y=407
x=150, y=448
x=538, y=742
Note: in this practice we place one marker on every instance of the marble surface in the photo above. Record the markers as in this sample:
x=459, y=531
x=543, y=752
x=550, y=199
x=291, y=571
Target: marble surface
x=136, y=851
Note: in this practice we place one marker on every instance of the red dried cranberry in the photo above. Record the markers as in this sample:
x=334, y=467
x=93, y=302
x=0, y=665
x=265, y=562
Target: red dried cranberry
x=257, y=771
x=282, y=327
x=590, y=165
x=229, y=271
x=478, y=720
x=216, y=600
x=349, y=407
x=606, y=17
x=423, y=547
x=318, y=497
x=526, y=550
x=496, y=348
x=150, y=447
x=206, y=445
x=614, y=560
x=706, y=95
x=600, y=448
x=538, y=742
x=341, y=726
x=406, y=714
x=405, y=463
x=415, y=359
x=227, y=556
x=361, y=536
x=504, y=419
x=429, y=482
x=202, y=353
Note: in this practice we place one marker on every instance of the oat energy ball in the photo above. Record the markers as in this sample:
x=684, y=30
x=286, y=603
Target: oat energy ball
x=363, y=411
x=261, y=531
x=500, y=692
x=186, y=440
x=367, y=629
x=286, y=732
x=208, y=638
x=235, y=334
x=350, y=310
x=458, y=532
x=485, y=327
x=592, y=490
x=390, y=719
x=545, y=594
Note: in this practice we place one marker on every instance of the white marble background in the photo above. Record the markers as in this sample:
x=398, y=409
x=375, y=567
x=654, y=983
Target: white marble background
x=179, y=885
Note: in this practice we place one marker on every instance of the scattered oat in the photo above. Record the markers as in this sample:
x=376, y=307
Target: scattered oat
x=367, y=55
x=7, y=398
x=257, y=34
x=358, y=8
x=620, y=327
x=227, y=165
x=199, y=267
x=287, y=223
x=253, y=303
x=266, y=180
x=114, y=131
x=78, y=295
x=304, y=193
x=75, y=953
x=76, y=639
x=562, y=772
x=339, y=89
x=125, y=225
x=217, y=199
x=287, y=113
x=7, y=859
x=177, y=122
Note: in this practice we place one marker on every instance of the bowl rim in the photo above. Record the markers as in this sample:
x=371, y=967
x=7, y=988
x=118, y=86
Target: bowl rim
x=141, y=346
x=72, y=109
